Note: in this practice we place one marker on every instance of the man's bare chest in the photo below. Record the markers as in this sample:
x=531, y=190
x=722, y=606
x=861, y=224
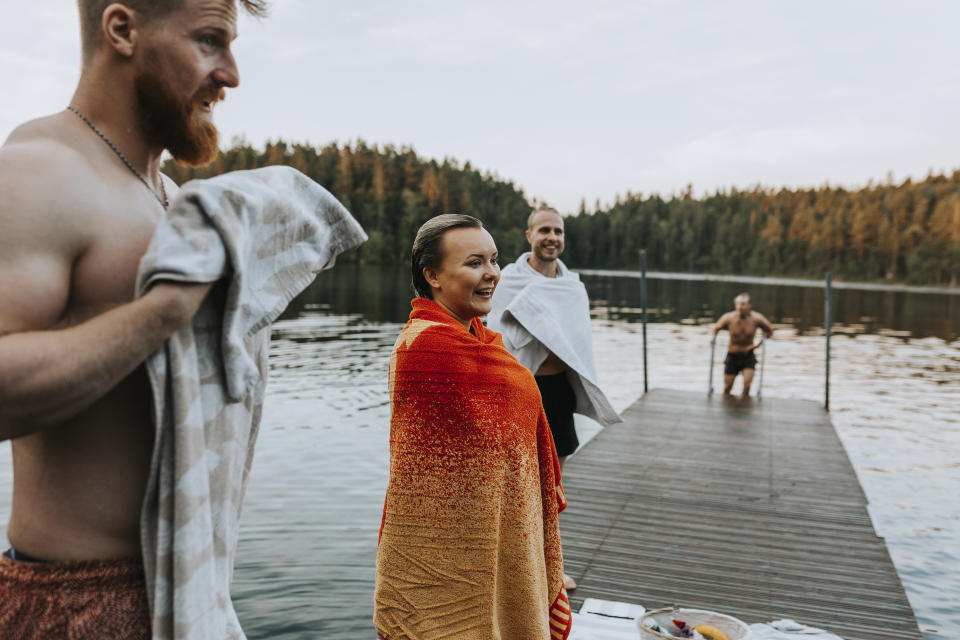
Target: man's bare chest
x=742, y=329
x=104, y=275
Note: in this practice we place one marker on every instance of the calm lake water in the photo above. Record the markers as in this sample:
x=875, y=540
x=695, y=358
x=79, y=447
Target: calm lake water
x=308, y=537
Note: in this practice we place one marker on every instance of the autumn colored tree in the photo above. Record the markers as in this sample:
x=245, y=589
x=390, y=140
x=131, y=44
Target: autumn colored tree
x=908, y=232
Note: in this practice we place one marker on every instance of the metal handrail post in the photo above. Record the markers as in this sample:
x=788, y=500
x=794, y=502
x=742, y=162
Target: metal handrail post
x=763, y=365
x=713, y=346
x=643, y=296
x=828, y=304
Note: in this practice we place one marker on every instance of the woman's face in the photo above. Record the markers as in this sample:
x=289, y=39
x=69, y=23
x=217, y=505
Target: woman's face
x=463, y=284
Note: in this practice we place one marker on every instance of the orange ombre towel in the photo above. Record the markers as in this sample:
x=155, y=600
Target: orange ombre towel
x=469, y=541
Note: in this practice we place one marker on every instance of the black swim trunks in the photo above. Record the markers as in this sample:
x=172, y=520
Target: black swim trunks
x=559, y=403
x=737, y=362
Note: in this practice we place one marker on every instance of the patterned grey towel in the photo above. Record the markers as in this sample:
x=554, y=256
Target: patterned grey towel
x=264, y=234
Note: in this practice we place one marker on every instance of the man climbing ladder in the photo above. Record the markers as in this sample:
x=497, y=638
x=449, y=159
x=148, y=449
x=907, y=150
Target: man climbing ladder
x=742, y=324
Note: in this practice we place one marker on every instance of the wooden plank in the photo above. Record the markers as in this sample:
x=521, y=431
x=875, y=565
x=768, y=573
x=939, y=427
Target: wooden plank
x=751, y=509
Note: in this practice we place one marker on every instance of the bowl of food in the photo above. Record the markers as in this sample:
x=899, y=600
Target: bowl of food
x=673, y=622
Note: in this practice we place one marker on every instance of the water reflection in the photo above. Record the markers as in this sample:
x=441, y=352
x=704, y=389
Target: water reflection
x=383, y=295
x=376, y=293
x=305, y=565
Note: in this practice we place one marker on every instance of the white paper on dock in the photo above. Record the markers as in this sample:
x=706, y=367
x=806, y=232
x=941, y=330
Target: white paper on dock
x=611, y=608
x=606, y=620
x=788, y=630
x=594, y=627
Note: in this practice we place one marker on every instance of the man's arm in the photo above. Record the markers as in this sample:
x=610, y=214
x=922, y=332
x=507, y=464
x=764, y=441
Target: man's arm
x=49, y=371
x=764, y=325
x=47, y=377
x=721, y=323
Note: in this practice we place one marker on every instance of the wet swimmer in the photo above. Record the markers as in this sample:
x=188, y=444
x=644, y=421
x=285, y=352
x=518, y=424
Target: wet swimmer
x=82, y=195
x=742, y=324
x=469, y=540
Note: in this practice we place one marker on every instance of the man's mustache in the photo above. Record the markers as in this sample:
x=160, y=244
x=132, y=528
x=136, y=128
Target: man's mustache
x=213, y=96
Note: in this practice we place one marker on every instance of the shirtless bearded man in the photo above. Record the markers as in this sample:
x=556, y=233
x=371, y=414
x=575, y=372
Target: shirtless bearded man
x=81, y=196
x=742, y=323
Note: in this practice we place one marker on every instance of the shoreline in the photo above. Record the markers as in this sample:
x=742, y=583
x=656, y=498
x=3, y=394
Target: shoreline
x=773, y=281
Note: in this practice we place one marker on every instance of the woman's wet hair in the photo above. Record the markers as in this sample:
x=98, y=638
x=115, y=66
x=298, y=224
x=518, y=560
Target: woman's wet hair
x=428, y=247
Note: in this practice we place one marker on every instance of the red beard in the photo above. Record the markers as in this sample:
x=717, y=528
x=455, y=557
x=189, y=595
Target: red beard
x=175, y=124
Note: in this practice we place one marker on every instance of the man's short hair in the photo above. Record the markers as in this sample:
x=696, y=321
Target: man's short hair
x=535, y=212
x=428, y=247
x=744, y=296
x=91, y=15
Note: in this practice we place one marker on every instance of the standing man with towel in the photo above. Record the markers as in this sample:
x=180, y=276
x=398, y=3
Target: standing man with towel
x=542, y=310
x=81, y=197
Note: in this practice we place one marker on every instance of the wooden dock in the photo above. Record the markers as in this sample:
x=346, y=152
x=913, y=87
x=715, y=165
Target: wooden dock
x=751, y=509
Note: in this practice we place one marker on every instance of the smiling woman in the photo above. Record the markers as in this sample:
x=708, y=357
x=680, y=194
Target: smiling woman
x=469, y=543
x=455, y=265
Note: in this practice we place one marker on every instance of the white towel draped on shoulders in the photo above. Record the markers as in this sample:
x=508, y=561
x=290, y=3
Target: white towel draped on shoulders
x=537, y=315
x=263, y=234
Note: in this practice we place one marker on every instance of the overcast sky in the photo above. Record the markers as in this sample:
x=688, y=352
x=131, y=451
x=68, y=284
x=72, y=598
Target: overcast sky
x=576, y=100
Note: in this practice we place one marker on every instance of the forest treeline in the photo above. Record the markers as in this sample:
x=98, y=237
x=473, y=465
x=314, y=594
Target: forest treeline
x=907, y=232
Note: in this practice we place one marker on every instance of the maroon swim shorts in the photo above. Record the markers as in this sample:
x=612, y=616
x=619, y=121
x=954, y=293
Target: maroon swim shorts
x=77, y=600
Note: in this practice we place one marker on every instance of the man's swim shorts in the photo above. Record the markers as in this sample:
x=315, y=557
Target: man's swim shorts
x=737, y=362
x=83, y=600
x=559, y=403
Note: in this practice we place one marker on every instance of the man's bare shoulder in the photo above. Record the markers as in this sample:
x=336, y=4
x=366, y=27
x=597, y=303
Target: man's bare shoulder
x=48, y=153
x=760, y=319
x=47, y=181
x=42, y=229
x=47, y=134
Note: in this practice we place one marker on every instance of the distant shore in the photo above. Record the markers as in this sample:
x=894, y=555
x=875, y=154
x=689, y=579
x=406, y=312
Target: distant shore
x=793, y=282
